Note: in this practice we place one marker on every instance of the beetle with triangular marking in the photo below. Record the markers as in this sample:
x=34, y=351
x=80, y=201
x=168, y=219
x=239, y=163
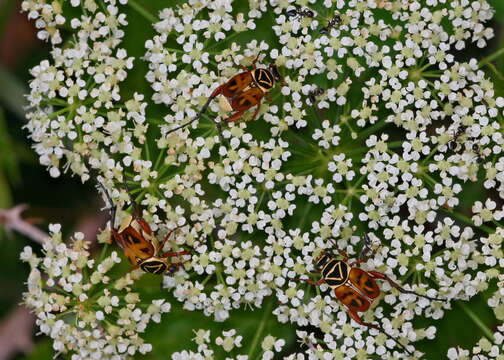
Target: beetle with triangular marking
x=140, y=245
x=355, y=288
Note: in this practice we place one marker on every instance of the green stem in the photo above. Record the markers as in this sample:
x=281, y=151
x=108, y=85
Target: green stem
x=424, y=67
x=429, y=179
x=59, y=112
x=205, y=280
x=305, y=215
x=147, y=151
x=159, y=158
x=142, y=11
x=370, y=130
x=220, y=278
x=354, y=151
x=351, y=194
x=431, y=154
x=259, y=203
x=233, y=35
x=494, y=69
x=488, y=333
x=467, y=220
x=492, y=57
x=103, y=252
x=259, y=331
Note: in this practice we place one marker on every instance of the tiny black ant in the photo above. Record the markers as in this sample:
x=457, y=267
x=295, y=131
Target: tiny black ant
x=299, y=12
x=477, y=150
x=335, y=21
x=313, y=93
x=452, y=144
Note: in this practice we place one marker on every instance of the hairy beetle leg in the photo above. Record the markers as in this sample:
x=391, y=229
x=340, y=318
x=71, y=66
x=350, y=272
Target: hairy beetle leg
x=381, y=276
x=174, y=253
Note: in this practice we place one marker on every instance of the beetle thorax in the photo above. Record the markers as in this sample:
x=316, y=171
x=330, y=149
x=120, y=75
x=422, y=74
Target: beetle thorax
x=263, y=79
x=335, y=272
x=154, y=265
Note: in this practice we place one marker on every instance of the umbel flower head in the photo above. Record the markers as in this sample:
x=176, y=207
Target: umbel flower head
x=376, y=128
x=88, y=313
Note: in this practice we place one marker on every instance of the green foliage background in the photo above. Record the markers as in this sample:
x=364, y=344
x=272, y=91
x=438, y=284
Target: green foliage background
x=65, y=200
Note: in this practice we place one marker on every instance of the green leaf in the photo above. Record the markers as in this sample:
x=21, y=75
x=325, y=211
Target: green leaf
x=9, y=160
x=5, y=193
x=42, y=350
x=498, y=6
x=13, y=93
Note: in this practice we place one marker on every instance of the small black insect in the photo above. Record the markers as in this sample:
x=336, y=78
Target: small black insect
x=335, y=21
x=477, y=150
x=452, y=144
x=300, y=12
x=313, y=93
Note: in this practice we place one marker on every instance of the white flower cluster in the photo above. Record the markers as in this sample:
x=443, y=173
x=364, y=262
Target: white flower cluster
x=69, y=114
x=87, y=313
x=386, y=148
x=229, y=342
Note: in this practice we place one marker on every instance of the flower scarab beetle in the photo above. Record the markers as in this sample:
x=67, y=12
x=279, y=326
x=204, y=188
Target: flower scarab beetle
x=355, y=288
x=243, y=91
x=140, y=245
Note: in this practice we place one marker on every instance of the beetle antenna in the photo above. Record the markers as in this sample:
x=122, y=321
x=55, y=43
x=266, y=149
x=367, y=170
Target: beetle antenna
x=219, y=130
x=112, y=207
x=132, y=200
x=380, y=328
x=366, y=251
x=334, y=244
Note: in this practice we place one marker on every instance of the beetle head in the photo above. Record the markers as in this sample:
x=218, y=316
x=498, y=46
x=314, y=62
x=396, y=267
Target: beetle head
x=322, y=260
x=172, y=269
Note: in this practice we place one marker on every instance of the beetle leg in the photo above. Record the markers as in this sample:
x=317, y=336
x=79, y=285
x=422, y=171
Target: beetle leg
x=344, y=254
x=357, y=262
x=216, y=92
x=136, y=211
x=380, y=328
x=219, y=131
x=235, y=116
x=376, y=326
x=255, y=60
x=174, y=253
x=311, y=282
x=381, y=276
x=257, y=110
x=134, y=268
x=161, y=246
x=357, y=319
x=239, y=66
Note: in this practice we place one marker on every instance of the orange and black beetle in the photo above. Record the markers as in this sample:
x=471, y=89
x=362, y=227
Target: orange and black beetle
x=243, y=91
x=140, y=245
x=355, y=288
